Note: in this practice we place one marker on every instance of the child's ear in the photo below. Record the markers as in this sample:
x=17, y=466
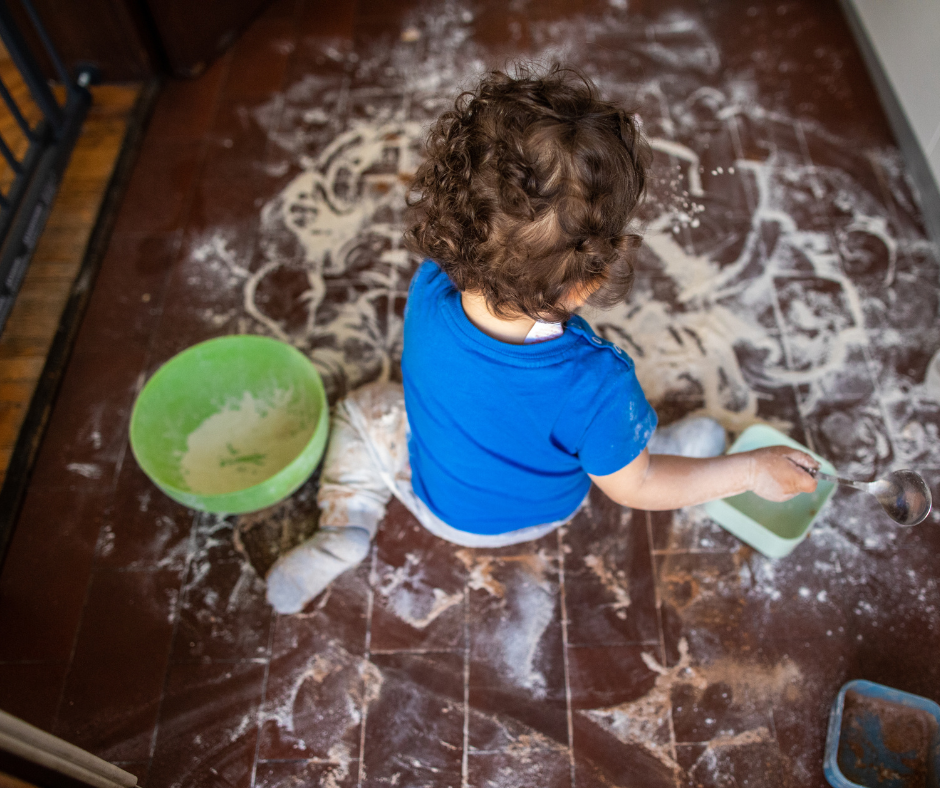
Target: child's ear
x=581, y=293
x=576, y=298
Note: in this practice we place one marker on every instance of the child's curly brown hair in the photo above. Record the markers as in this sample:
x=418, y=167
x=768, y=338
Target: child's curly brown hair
x=527, y=191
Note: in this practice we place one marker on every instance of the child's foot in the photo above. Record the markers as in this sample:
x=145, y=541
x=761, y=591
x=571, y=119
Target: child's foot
x=698, y=436
x=305, y=571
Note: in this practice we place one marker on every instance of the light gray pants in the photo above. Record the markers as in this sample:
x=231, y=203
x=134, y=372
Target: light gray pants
x=367, y=463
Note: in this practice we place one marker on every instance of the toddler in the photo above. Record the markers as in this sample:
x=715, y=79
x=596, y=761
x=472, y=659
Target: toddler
x=511, y=406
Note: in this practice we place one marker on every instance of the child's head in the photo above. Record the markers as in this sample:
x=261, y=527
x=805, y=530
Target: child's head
x=526, y=193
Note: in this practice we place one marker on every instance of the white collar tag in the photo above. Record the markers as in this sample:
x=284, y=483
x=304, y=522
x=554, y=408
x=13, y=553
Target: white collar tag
x=542, y=332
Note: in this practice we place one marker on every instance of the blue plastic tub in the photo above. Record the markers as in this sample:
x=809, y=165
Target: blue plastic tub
x=880, y=737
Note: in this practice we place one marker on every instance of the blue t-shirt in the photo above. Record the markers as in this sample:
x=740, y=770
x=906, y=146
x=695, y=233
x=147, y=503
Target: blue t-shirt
x=503, y=436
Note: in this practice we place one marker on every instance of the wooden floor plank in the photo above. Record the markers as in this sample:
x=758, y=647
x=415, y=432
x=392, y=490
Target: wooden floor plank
x=18, y=368
x=45, y=291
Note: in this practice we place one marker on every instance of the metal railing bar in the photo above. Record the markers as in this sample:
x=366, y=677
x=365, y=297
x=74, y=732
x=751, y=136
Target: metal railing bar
x=14, y=162
x=28, y=224
x=30, y=71
x=47, y=43
x=17, y=192
x=15, y=110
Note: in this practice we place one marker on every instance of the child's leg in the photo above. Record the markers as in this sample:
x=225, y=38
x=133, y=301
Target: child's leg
x=367, y=445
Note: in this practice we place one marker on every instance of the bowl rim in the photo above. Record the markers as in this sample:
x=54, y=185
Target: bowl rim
x=213, y=500
x=870, y=689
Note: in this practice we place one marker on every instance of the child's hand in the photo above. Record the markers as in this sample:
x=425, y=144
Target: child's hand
x=778, y=472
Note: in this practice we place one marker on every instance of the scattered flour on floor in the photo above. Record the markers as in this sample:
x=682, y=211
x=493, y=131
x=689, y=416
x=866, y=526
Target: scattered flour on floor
x=646, y=720
x=614, y=581
x=87, y=469
x=323, y=701
x=409, y=596
x=480, y=573
x=243, y=444
x=531, y=610
x=106, y=539
x=522, y=602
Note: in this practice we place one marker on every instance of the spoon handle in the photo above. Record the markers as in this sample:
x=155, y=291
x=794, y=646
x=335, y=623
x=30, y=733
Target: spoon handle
x=864, y=486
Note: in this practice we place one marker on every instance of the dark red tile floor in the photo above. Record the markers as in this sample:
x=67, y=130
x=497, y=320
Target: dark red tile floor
x=785, y=278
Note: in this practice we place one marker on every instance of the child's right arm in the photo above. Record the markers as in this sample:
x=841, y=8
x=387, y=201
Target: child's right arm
x=662, y=481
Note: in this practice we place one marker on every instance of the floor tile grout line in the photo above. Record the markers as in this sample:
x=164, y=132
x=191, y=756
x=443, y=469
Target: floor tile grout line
x=218, y=661
x=367, y=653
x=731, y=124
x=662, y=634
x=615, y=644
x=71, y=658
x=393, y=651
x=753, y=206
x=564, y=650
x=118, y=569
x=180, y=599
x=890, y=425
x=465, y=757
x=342, y=101
x=323, y=761
x=803, y=419
x=818, y=191
x=273, y=619
x=774, y=295
x=122, y=453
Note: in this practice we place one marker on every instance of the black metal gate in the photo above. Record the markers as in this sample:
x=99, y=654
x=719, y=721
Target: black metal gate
x=29, y=181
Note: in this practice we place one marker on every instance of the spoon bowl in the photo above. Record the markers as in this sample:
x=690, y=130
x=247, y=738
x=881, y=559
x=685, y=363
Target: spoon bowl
x=904, y=495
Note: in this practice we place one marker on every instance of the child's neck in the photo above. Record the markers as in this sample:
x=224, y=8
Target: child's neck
x=513, y=331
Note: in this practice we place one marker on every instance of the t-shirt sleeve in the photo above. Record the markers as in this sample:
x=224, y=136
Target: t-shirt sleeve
x=422, y=277
x=620, y=429
x=421, y=289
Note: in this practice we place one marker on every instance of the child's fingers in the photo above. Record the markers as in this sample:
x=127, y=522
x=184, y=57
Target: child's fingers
x=806, y=481
x=803, y=461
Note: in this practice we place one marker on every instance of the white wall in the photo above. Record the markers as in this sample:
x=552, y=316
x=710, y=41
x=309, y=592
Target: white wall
x=906, y=37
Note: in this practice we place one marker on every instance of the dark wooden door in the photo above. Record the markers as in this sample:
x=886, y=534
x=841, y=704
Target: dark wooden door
x=114, y=35
x=131, y=40
x=193, y=33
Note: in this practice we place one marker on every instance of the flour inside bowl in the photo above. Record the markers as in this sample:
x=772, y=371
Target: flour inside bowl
x=245, y=443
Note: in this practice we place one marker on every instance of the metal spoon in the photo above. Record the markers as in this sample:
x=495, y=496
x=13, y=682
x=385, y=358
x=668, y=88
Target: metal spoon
x=904, y=495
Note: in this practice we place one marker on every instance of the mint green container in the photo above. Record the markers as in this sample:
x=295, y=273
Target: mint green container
x=773, y=529
x=231, y=425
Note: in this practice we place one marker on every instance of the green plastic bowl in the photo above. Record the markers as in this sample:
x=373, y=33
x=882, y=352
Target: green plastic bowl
x=231, y=425
x=773, y=529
